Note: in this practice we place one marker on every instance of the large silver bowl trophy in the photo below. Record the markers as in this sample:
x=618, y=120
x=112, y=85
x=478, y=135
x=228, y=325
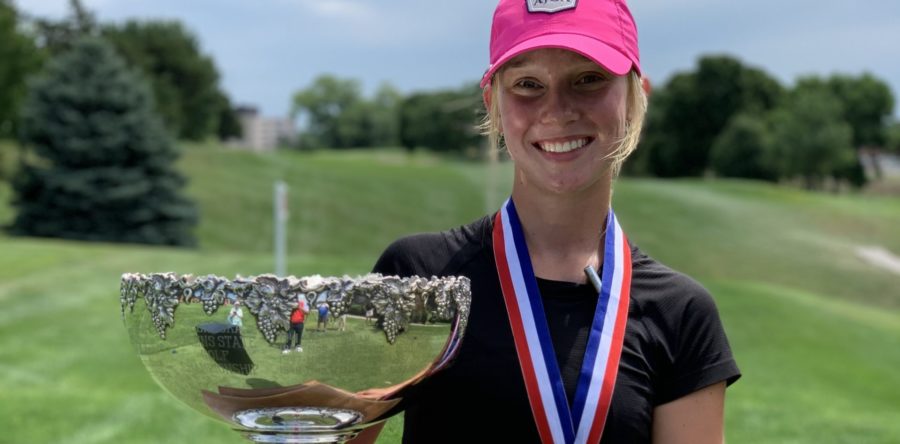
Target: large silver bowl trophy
x=381, y=334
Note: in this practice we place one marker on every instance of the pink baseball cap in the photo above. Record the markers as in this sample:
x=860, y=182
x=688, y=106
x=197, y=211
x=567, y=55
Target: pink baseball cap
x=601, y=30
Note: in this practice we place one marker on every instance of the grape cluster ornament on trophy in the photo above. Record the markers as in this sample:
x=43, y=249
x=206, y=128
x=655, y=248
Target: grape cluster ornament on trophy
x=222, y=346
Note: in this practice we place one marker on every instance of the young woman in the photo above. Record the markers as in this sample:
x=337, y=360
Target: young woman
x=638, y=356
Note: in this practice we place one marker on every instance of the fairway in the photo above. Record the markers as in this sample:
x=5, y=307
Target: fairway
x=815, y=329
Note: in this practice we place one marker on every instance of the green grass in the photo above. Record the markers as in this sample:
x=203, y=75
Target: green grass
x=815, y=330
x=340, y=203
x=751, y=231
x=814, y=370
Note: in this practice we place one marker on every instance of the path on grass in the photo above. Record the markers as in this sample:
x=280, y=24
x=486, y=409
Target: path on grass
x=879, y=257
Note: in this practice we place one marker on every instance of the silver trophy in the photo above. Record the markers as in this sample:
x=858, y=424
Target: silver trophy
x=241, y=351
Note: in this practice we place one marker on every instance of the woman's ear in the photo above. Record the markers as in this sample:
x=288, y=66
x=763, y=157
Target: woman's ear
x=486, y=96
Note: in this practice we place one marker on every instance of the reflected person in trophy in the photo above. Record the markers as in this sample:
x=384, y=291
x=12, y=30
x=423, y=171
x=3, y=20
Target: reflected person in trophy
x=322, y=321
x=298, y=316
x=236, y=315
x=575, y=334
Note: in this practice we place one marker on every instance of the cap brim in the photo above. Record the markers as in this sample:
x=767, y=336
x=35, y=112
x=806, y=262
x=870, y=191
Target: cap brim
x=600, y=53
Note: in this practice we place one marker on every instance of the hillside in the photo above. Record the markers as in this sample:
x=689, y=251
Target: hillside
x=815, y=329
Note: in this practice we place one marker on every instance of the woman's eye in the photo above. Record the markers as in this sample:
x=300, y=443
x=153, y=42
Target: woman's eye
x=527, y=84
x=588, y=79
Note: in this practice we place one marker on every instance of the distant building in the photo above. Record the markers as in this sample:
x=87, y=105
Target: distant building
x=887, y=163
x=263, y=133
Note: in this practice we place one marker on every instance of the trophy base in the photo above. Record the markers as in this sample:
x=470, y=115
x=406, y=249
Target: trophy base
x=300, y=425
x=305, y=413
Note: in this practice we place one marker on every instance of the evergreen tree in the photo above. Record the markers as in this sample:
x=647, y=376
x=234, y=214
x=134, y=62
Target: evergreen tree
x=100, y=165
x=57, y=36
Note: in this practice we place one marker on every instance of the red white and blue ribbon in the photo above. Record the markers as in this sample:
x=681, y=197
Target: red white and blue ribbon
x=556, y=422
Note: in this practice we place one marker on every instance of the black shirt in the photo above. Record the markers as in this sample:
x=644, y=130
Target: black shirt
x=674, y=345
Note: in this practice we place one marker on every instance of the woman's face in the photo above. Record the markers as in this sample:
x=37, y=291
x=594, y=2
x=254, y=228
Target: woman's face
x=561, y=116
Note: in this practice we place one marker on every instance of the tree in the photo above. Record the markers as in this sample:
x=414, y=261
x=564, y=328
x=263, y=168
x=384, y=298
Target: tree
x=892, y=137
x=229, y=126
x=695, y=108
x=442, y=120
x=386, y=116
x=337, y=116
x=185, y=82
x=810, y=137
x=868, y=105
x=666, y=135
x=652, y=139
x=20, y=58
x=322, y=105
x=744, y=149
x=100, y=165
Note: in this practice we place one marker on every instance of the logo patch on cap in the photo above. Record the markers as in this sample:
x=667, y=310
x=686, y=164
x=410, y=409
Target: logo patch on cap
x=550, y=6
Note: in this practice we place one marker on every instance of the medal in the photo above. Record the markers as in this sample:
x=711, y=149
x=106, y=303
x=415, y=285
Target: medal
x=556, y=422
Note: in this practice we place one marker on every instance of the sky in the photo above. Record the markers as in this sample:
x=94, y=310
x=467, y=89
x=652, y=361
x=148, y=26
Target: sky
x=266, y=50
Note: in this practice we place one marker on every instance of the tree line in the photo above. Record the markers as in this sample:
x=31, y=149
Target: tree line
x=722, y=118
x=733, y=120
x=337, y=115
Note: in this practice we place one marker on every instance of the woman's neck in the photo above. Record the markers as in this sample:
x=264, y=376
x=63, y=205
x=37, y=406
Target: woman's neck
x=564, y=233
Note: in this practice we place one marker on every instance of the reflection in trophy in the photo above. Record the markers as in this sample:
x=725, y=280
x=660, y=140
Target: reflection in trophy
x=237, y=350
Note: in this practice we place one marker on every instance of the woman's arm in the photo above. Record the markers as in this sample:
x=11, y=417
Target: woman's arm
x=696, y=418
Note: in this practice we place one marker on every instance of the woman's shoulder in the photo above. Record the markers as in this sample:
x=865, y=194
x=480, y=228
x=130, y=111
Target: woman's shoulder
x=433, y=253
x=681, y=319
x=659, y=289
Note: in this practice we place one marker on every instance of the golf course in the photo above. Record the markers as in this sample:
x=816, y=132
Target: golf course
x=814, y=324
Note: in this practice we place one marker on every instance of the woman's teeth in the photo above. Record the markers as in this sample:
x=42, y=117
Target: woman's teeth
x=563, y=147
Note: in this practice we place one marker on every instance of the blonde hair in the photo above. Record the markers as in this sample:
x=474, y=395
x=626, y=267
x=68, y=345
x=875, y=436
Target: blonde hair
x=636, y=108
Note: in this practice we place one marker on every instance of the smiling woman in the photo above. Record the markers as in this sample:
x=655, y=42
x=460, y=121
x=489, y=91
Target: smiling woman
x=634, y=354
x=636, y=107
x=562, y=117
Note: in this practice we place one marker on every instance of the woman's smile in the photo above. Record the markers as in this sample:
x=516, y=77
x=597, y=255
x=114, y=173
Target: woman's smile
x=563, y=145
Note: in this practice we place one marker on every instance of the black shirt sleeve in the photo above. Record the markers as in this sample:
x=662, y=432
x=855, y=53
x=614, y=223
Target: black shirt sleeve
x=692, y=349
x=391, y=260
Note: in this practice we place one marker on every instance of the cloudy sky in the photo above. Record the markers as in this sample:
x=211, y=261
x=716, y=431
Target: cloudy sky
x=268, y=49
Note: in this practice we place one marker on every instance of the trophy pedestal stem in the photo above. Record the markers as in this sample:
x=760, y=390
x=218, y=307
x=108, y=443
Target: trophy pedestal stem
x=300, y=425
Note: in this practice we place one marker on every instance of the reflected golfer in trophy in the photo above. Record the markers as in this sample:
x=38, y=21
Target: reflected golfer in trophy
x=255, y=374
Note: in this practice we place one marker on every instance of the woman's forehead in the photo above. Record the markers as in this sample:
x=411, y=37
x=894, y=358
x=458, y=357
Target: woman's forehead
x=554, y=56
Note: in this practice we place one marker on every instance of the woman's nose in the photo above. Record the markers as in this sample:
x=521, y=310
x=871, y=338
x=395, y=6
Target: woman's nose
x=557, y=107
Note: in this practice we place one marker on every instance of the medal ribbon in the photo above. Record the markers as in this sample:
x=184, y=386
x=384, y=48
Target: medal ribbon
x=556, y=422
